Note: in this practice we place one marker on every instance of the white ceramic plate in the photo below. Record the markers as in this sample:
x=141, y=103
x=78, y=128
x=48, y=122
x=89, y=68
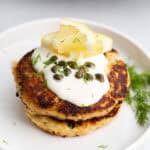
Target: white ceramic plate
x=18, y=133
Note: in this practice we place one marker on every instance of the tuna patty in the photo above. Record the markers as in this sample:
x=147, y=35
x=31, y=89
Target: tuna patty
x=42, y=101
x=68, y=127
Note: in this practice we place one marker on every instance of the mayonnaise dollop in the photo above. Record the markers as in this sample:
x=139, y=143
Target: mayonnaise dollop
x=70, y=88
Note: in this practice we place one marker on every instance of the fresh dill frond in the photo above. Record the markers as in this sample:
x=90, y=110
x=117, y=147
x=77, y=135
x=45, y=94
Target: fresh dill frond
x=142, y=106
x=85, y=79
x=35, y=59
x=128, y=97
x=47, y=62
x=139, y=99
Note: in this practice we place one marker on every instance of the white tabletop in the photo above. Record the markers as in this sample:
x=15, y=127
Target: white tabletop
x=129, y=16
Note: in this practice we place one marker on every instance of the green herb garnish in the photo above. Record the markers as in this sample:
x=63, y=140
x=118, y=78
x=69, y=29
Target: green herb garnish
x=138, y=80
x=35, y=59
x=76, y=40
x=47, y=62
x=51, y=60
x=138, y=94
x=85, y=79
x=102, y=146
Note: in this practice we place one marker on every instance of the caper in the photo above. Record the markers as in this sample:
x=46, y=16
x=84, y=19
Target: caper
x=62, y=63
x=55, y=68
x=84, y=69
x=72, y=64
x=99, y=77
x=88, y=77
x=58, y=76
x=53, y=58
x=89, y=64
x=79, y=74
x=67, y=71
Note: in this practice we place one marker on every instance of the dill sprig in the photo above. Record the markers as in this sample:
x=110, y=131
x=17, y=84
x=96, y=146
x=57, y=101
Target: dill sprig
x=138, y=94
x=35, y=59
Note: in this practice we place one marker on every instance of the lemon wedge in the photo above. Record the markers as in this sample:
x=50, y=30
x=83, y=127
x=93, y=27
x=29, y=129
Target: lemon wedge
x=75, y=39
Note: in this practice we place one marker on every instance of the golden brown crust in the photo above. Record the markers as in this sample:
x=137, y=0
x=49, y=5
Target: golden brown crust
x=41, y=100
x=68, y=127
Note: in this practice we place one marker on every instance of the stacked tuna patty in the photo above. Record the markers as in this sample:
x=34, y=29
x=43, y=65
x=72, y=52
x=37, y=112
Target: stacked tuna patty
x=60, y=117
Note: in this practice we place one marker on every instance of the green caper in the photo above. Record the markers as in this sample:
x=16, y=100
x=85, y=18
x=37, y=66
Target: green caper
x=72, y=64
x=79, y=74
x=99, y=77
x=58, y=76
x=53, y=58
x=89, y=64
x=67, y=71
x=88, y=77
x=50, y=61
x=55, y=68
x=62, y=63
x=84, y=69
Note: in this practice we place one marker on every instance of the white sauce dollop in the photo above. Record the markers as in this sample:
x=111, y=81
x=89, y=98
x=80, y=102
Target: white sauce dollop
x=70, y=88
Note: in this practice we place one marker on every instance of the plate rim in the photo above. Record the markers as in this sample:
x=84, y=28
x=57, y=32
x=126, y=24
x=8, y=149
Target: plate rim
x=140, y=47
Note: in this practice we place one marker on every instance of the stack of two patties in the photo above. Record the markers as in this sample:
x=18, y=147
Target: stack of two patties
x=60, y=117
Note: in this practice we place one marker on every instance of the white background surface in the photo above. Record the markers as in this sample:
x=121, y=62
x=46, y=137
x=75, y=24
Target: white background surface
x=129, y=16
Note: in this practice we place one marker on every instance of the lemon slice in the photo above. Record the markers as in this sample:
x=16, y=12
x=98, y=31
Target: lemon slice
x=67, y=41
x=76, y=40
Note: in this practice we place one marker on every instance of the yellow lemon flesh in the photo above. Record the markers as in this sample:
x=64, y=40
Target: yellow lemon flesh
x=76, y=40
